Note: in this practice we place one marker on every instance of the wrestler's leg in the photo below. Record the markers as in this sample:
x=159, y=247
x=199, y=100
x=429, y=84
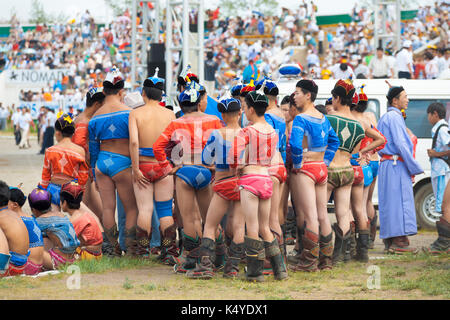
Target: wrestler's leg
x=47, y=261
x=264, y=220
x=284, y=198
x=185, y=197
x=307, y=200
x=238, y=223
x=107, y=191
x=124, y=184
x=229, y=228
x=216, y=211
x=274, y=219
x=164, y=192
x=204, y=199
x=144, y=202
x=250, y=204
x=356, y=200
x=370, y=207
x=342, y=205
x=322, y=210
x=92, y=199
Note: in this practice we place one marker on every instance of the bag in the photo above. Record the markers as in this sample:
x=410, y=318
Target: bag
x=446, y=159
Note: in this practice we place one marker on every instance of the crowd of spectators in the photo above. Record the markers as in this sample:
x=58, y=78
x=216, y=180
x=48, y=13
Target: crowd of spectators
x=88, y=51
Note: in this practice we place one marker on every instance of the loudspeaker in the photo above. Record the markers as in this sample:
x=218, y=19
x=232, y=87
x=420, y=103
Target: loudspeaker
x=157, y=52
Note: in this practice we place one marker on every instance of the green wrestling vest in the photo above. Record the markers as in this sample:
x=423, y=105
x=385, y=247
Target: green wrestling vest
x=349, y=131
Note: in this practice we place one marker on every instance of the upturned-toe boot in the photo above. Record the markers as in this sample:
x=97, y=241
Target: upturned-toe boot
x=341, y=243
x=309, y=258
x=169, y=250
x=362, y=246
x=326, y=252
x=254, y=249
x=442, y=243
x=112, y=235
x=234, y=254
x=204, y=269
x=273, y=253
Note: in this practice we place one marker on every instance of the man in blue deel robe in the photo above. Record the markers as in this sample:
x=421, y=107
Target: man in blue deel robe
x=397, y=167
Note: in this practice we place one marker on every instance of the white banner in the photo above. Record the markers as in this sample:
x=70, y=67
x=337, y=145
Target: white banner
x=35, y=77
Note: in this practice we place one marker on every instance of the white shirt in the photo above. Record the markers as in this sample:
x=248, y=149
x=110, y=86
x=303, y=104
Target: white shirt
x=339, y=74
x=51, y=119
x=379, y=67
x=24, y=121
x=15, y=118
x=404, y=57
x=3, y=113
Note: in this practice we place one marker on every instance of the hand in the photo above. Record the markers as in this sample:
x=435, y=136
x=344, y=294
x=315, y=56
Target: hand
x=139, y=179
x=432, y=153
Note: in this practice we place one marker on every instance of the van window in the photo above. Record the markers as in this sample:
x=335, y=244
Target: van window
x=374, y=107
x=417, y=119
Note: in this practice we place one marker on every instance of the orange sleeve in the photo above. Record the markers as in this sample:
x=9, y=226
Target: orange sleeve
x=80, y=137
x=46, y=171
x=162, y=142
x=83, y=173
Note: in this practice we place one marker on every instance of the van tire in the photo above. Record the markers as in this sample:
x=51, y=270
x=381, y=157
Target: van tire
x=424, y=200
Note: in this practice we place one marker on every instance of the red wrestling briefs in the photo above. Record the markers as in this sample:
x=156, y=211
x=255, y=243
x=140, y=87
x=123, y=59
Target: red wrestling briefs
x=228, y=188
x=316, y=170
x=155, y=171
x=359, y=175
x=13, y=271
x=258, y=184
x=278, y=171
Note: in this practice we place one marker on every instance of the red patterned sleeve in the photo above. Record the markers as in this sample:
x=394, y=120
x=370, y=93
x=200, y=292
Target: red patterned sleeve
x=83, y=173
x=162, y=142
x=237, y=150
x=46, y=170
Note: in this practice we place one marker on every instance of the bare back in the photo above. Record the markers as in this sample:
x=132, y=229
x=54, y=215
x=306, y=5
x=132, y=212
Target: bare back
x=15, y=231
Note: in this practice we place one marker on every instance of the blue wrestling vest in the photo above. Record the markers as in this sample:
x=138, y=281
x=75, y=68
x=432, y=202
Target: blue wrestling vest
x=107, y=126
x=61, y=228
x=34, y=233
x=279, y=124
x=216, y=151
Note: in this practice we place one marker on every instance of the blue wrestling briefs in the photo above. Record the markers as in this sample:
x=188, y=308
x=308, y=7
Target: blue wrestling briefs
x=110, y=163
x=374, y=165
x=196, y=177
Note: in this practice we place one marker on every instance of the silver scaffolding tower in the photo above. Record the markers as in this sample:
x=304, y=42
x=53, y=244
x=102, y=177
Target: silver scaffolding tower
x=381, y=18
x=149, y=34
x=190, y=49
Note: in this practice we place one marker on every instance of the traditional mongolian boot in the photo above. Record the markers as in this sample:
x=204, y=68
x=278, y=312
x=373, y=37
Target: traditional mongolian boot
x=169, y=250
x=362, y=246
x=442, y=243
x=255, y=259
x=191, y=247
x=231, y=269
x=373, y=231
x=326, y=252
x=341, y=242
x=295, y=257
x=204, y=269
x=142, y=242
x=273, y=253
x=112, y=235
x=401, y=245
x=130, y=242
x=309, y=258
x=219, y=260
x=387, y=244
x=350, y=252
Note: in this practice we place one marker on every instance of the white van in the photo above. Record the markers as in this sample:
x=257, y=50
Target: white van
x=421, y=93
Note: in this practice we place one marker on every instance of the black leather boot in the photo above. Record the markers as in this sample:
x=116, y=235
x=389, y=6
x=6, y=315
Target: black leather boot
x=255, y=259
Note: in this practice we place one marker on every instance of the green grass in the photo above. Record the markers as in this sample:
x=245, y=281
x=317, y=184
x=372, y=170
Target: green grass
x=110, y=264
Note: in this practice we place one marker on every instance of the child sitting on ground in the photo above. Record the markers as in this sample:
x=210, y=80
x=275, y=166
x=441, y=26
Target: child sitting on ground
x=87, y=228
x=16, y=235
x=35, y=260
x=60, y=239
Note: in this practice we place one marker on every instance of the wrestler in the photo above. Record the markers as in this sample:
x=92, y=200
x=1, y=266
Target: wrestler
x=35, y=260
x=4, y=253
x=110, y=158
x=370, y=171
x=16, y=234
x=60, y=239
x=189, y=134
x=94, y=100
x=252, y=152
x=152, y=183
x=86, y=226
x=226, y=196
x=244, y=91
x=340, y=171
x=313, y=144
x=63, y=162
x=277, y=170
x=360, y=233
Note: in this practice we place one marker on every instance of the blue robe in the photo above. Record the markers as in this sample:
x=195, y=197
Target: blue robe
x=395, y=191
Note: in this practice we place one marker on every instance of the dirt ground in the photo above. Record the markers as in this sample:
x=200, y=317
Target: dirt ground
x=154, y=281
